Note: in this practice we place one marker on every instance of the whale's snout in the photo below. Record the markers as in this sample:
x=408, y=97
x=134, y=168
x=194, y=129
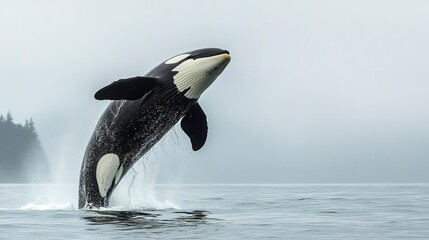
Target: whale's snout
x=226, y=57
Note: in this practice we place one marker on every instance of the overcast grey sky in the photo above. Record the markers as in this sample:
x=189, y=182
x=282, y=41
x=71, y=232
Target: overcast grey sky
x=317, y=91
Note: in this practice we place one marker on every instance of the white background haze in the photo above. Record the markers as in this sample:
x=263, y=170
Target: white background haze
x=316, y=91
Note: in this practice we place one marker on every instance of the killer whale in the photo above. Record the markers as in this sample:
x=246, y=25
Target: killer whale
x=143, y=110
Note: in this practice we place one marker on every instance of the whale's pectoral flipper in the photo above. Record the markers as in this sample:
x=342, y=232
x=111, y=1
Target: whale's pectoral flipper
x=194, y=124
x=127, y=89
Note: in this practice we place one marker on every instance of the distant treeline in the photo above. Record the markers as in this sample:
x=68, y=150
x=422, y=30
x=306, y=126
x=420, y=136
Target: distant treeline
x=22, y=158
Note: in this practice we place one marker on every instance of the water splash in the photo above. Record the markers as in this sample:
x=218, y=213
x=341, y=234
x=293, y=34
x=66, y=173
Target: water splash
x=50, y=197
x=136, y=190
x=48, y=206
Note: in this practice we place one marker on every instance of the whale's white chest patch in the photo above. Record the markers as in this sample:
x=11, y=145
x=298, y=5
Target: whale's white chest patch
x=106, y=171
x=195, y=75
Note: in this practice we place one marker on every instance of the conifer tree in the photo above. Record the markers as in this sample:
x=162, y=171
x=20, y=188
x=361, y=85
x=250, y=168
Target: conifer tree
x=31, y=126
x=9, y=118
x=22, y=158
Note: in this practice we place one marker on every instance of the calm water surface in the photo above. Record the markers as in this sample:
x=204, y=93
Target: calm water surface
x=220, y=212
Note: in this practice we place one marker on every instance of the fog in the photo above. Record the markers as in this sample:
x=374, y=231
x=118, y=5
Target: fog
x=316, y=91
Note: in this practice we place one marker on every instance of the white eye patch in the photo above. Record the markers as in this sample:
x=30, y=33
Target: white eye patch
x=177, y=59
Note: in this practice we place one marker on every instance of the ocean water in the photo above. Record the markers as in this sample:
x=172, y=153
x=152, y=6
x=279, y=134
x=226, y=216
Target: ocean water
x=220, y=212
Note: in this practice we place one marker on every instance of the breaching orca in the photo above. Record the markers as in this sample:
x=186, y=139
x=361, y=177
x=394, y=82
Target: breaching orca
x=144, y=109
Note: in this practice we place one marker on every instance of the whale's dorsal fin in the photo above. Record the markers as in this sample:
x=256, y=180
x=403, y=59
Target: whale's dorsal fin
x=194, y=123
x=127, y=89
